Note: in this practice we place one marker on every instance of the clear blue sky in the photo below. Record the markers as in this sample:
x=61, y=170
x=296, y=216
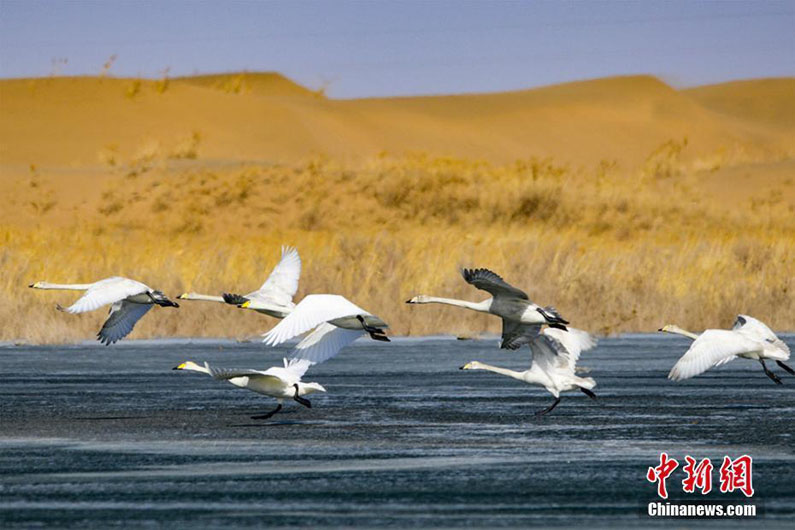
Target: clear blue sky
x=401, y=48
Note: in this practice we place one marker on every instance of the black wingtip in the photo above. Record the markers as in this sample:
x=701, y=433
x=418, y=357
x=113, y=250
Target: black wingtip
x=234, y=299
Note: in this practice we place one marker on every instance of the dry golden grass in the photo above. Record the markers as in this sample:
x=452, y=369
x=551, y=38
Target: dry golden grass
x=643, y=204
x=613, y=251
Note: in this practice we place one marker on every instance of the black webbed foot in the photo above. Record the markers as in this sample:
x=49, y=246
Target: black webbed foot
x=786, y=368
x=267, y=415
x=548, y=409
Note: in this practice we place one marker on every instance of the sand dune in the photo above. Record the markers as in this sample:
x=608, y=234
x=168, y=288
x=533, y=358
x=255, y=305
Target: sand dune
x=82, y=122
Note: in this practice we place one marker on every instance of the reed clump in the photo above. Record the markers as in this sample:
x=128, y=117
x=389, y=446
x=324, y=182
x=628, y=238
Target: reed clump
x=614, y=251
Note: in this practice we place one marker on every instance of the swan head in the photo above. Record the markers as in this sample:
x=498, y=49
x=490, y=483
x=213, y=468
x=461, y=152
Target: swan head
x=474, y=365
x=419, y=299
x=184, y=296
x=36, y=285
x=161, y=299
x=671, y=328
x=309, y=388
x=190, y=365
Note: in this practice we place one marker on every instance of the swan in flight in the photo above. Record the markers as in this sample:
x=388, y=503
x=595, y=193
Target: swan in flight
x=749, y=338
x=274, y=298
x=335, y=321
x=277, y=382
x=555, y=355
x=130, y=300
x=521, y=319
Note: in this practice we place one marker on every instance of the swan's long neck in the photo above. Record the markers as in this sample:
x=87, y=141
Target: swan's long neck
x=205, y=297
x=62, y=286
x=476, y=365
x=679, y=331
x=483, y=306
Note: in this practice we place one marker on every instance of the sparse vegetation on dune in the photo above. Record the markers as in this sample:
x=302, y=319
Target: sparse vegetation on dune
x=643, y=205
x=613, y=251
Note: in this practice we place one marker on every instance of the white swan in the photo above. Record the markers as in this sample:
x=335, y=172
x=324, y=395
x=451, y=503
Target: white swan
x=337, y=322
x=521, y=319
x=555, y=355
x=749, y=338
x=274, y=297
x=130, y=301
x=277, y=382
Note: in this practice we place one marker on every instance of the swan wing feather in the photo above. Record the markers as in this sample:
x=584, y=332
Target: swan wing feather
x=712, y=348
x=323, y=343
x=282, y=283
x=758, y=329
x=548, y=354
x=516, y=334
x=312, y=311
x=121, y=321
x=492, y=283
x=107, y=291
x=570, y=343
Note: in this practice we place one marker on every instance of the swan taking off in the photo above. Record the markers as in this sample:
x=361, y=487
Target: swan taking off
x=749, y=338
x=275, y=297
x=521, y=319
x=337, y=322
x=555, y=355
x=130, y=301
x=277, y=382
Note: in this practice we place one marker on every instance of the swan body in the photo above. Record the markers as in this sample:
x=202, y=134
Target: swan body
x=555, y=355
x=521, y=318
x=277, y=381
x=129, y=300
x=748, y=339
x=274, y=297
x=335, y=321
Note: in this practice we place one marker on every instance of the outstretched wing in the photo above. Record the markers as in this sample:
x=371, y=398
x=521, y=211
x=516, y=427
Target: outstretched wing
x=312, y=311
x=297, y=367
x=120, y=322
x=107, y=291
x=712, y=348
x=225, y=374
x=324, y=342
x=282, y=284
x=549, y=354
x=571, y=343
x=492, y=283
x=757, y=329
x=516, y=334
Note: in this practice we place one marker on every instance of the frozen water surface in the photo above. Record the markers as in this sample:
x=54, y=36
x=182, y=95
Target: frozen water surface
x=96, y=437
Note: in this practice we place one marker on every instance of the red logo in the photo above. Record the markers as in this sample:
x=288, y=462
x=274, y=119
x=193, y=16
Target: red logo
x=698, y=476
x=736, y=475
x=660, y=473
